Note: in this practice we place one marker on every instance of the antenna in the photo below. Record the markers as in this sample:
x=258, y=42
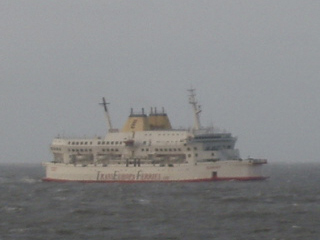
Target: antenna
x=196, y=108
x=104, y=104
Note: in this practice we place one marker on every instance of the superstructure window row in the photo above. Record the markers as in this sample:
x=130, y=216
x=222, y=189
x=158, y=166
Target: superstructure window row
x=109, y=142
x=79, y=143
x=99, y=143
x=80, y=150
x=55, y=149
x=110, y=150
x=215, y=148
x=167, y=149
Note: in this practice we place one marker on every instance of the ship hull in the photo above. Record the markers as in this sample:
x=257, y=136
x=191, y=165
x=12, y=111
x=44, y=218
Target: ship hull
x=217, y=171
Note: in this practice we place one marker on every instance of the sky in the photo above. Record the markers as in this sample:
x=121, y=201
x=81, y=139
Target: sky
x=255, y=66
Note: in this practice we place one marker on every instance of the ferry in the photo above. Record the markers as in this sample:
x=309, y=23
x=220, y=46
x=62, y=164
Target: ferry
x=149, y=149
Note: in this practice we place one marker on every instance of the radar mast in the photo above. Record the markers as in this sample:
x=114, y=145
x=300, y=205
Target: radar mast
x=196, y=109
x=104, y=104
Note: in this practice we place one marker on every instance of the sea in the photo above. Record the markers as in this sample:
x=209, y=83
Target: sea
x=285, y=206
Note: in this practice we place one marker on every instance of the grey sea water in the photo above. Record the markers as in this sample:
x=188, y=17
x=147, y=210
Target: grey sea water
x=286, y=206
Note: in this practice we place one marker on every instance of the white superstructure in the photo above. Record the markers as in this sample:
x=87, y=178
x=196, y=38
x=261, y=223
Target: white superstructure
x=148, y=149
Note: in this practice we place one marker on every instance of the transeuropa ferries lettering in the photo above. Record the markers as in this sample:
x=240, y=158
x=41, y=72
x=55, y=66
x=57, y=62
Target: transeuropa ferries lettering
x=140, y=176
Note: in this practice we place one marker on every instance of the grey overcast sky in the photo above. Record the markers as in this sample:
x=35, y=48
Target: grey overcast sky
x=255, y=65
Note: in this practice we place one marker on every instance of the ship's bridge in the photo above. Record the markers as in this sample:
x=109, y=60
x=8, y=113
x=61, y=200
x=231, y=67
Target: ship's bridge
x=215, y=141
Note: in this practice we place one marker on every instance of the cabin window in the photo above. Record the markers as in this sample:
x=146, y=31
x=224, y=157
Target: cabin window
x=188, y=149
x=99, y=143
x=117, y=142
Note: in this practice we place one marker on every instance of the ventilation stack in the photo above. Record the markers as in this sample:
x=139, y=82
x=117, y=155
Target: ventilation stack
x=136, y=122
x=159, y=121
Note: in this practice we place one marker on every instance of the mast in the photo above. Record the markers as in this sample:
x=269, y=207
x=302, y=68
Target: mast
x=104, y=104
x=196, y=109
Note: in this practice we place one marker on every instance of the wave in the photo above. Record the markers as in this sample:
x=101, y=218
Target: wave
x=29, y=180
